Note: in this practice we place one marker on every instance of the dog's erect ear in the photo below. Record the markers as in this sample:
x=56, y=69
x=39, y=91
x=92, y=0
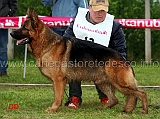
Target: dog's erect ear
x=33, y=16
x=29, y=12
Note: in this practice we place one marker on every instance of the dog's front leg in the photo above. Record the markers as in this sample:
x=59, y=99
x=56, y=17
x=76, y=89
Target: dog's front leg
x=58, y=86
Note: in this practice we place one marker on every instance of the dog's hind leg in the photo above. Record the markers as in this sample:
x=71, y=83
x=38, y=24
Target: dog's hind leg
x=139, y=94
x=132, y=89
x=143, y=97
x=130, y=92
x=131, y=101
x=58, y=86
x=109, y=91
x=126, y=83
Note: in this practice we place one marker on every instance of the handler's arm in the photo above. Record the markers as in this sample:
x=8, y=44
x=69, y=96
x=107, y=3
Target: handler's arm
x=13, y=4
x=69, y=31
x=81, y=3
x=117, y=41
x=48, y=2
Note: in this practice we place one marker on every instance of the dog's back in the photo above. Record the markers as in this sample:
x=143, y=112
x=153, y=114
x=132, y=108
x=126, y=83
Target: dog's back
x=88, y=60
x=83, y=50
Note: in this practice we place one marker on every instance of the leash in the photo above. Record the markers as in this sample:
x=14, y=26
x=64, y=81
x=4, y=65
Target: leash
x=152, y=105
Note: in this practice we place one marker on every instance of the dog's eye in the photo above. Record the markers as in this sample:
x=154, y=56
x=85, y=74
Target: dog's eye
x=24, y=28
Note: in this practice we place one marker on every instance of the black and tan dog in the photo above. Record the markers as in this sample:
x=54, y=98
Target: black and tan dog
x=65, y=59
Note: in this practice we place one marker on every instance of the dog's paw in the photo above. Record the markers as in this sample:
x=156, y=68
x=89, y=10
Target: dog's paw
x=51, y=109
x=102, y=107
x=143, y=112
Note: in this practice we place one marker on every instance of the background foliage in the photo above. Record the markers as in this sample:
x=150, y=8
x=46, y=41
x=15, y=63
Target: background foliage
x=120, y=9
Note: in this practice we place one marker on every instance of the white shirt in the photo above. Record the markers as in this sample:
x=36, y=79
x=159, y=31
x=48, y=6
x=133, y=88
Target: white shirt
x=85, y=30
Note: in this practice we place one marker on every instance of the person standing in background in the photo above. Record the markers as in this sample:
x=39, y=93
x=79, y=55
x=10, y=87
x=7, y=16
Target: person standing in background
x=64, y=8
x=7, y=8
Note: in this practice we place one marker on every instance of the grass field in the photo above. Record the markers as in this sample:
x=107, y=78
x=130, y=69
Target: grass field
x=33, y=101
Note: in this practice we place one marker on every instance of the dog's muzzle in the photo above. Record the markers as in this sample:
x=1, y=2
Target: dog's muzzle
x=21, y=41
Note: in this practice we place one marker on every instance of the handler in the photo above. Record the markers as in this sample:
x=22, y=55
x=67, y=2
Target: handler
x=99, y=26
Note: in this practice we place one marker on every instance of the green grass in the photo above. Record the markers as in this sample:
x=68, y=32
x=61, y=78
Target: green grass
x=34, y=100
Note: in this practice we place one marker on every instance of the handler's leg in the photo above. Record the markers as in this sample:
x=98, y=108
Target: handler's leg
x=75, y=93
x=3, y=52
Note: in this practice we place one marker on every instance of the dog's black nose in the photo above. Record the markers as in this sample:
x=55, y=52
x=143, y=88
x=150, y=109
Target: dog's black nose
x=12, y=34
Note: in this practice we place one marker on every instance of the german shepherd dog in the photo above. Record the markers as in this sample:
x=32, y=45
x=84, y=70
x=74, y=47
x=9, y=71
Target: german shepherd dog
x=63, y=59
